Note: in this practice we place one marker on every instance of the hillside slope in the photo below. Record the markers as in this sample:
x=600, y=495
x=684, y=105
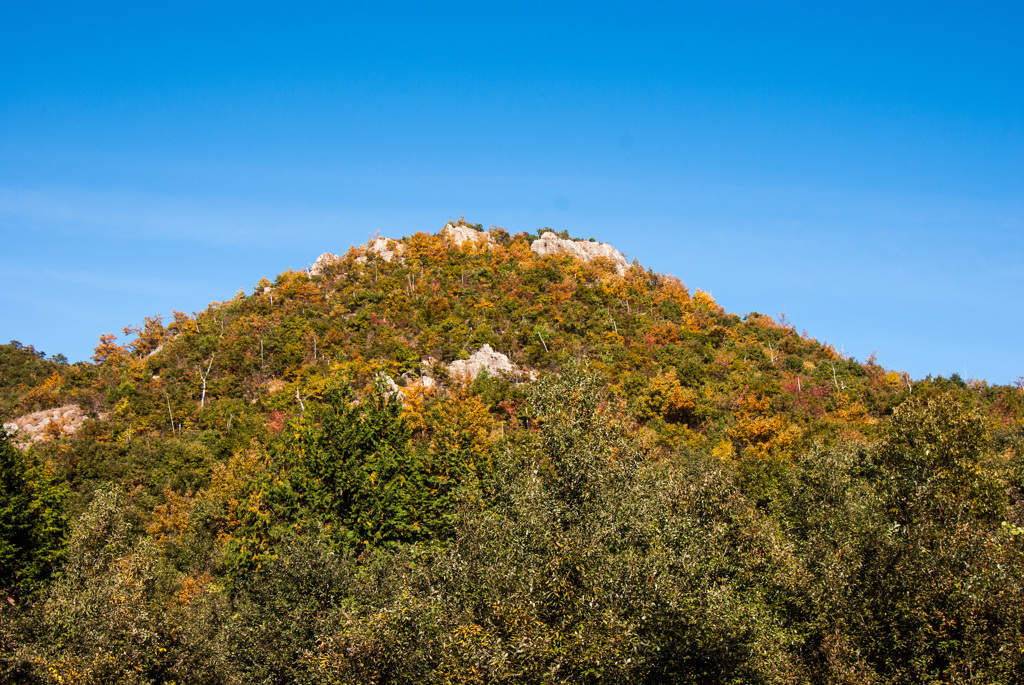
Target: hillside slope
x=315, y=482
x=677, y=358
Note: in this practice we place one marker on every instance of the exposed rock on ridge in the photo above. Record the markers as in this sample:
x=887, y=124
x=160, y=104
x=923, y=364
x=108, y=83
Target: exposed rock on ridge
x=321, y=263
x=459, y=234
x=585, y=251
x=386, y=248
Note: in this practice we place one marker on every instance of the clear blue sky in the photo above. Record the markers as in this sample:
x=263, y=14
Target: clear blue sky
x=860, y=165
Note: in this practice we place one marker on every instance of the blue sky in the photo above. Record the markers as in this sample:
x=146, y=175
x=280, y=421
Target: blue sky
x=859, y=166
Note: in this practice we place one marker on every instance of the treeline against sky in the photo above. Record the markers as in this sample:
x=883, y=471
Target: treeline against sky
x=682, y=495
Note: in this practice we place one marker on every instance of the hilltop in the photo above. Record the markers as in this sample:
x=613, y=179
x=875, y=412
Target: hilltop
x=407, y=309
x=477, y=456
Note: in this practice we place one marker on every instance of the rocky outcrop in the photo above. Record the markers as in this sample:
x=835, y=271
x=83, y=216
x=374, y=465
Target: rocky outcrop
x=388, y=383
x=385, y=248
x=45, y=425
x=321, y=263
x=425, y=382
x=485, y=358
x=459, y=234
x=585, y=251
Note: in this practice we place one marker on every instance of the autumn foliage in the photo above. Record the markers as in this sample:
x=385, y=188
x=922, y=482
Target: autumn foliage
x=662, y=492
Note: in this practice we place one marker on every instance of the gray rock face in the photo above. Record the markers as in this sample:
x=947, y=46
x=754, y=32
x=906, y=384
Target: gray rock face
x=322, y=262
x=459, y=235
x=390, y=387
x=485, y=358
x=42, y=426
x=585, y=251
x=425, y=382
x=386, y=248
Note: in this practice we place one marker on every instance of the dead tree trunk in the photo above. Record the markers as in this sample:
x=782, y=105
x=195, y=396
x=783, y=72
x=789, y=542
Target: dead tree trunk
x=204, y=376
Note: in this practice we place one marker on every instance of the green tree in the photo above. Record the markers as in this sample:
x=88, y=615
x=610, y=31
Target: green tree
x=100, y=621
x=933, y=458
x=941, y=587
x=33, y=521
x=356, y=469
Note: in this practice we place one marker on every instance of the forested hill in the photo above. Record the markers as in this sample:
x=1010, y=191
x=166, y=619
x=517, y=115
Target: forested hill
x=315, y=482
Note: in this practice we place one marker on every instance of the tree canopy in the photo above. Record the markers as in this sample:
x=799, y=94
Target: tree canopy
x=296, y=486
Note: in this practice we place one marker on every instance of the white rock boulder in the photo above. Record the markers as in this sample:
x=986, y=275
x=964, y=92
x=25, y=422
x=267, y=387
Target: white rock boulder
x=386, y=248
x=485, y=358
x=388, y=383
x=42, y=426
x=459, y=234
x=585, y=251
x=321, y=263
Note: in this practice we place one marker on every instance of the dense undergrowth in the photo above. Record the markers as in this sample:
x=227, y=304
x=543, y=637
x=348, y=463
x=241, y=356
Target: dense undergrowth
x=684, y=495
